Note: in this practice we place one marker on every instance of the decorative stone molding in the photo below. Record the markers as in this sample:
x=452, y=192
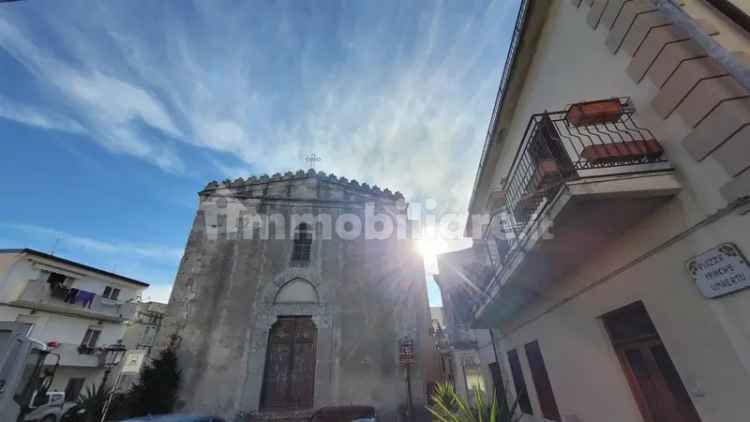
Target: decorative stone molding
x=690, y=82
x=267, y=313
x=301, y=174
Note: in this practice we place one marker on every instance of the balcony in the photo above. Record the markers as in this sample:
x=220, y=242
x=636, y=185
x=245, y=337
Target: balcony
x=39, y=295
x=74, y=355
x=579, y=178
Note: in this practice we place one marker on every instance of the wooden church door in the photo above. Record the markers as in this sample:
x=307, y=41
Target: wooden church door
x=289, y=377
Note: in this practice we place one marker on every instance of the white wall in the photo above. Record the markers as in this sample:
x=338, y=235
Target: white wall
x=63, y=328
x=17, y=270
x=708, y=339
x=572, y=64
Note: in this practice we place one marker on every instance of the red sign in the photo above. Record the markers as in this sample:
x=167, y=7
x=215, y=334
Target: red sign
x=406, y=352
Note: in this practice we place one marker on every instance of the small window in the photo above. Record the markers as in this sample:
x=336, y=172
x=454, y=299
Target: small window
x=91, y=337
x=541, y=382
x=111, y=293
x=519, y=382
x=302, y=243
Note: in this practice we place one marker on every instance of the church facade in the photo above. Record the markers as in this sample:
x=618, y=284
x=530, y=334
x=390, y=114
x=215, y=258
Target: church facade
x=295, y=292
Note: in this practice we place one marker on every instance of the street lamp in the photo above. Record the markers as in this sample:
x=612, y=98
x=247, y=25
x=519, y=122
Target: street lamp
x=112, y=356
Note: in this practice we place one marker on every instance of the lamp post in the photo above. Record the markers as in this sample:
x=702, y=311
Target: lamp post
x=407, y=360
x=112, y=356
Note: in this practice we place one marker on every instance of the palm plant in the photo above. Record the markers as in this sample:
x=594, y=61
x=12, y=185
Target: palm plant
x=448, y=406
x=93, y=401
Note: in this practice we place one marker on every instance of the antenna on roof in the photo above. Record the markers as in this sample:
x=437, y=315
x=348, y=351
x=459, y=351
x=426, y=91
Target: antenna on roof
x=54, y=247
x=312, y=159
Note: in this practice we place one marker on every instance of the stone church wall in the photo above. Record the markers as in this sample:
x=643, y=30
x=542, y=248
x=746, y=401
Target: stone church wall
x=371, y=293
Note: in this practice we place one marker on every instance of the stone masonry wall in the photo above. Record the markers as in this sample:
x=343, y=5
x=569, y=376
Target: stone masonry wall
x=372, y=292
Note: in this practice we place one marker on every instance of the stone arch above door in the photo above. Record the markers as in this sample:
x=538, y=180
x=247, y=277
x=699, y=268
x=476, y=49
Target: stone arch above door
x=297, y=290
x=269, y=310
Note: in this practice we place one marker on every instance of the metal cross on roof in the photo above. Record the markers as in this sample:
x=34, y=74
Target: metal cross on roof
x=312, y=159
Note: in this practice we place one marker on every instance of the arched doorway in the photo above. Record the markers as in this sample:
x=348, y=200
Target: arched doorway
x=289, y=376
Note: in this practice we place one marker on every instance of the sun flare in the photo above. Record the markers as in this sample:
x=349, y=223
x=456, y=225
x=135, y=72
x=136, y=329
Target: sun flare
x=429, y=248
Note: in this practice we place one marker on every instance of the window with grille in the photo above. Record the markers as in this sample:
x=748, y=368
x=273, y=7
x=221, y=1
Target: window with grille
x=89, y=340
x=111, y=293
x=302, y=244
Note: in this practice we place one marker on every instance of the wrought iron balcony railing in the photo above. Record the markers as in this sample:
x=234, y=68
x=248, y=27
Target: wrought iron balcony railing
x=590, y=139
x=40, y=294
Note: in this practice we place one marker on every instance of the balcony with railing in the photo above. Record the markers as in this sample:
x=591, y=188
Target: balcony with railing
x=39, y=294
x=76, y=355
x=580, y=177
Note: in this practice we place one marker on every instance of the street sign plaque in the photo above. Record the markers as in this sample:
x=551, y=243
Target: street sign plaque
x=720, y=271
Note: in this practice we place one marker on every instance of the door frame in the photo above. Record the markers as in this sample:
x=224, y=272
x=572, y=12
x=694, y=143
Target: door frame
x=262, y=405
x=645, y=340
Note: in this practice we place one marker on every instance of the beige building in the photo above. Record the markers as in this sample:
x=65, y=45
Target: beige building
x=467, y=355
x=76, y=308
x=143, y=330
x=293, y=295
x=141, y=333
x=616, y=172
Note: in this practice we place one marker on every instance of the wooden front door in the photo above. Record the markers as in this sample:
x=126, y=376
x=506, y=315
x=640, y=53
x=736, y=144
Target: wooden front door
x=653, y=378
x=289, y=377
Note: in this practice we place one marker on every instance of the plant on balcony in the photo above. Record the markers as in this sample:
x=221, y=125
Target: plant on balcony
x=594, y=112
x=449, y=406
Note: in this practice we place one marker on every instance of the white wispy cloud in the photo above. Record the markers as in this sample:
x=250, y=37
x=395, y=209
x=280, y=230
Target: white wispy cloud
x=391, y=94
x=31, y=116
x=109, y=108
x=76, y=243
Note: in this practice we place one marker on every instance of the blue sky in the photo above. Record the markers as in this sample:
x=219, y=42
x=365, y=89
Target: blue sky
x=113, y=114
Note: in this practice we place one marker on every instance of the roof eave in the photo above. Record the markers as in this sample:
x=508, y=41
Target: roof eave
x=532, y=15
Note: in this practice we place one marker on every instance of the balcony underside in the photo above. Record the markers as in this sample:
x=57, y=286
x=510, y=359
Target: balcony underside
x=69, y=310
x=584, y=216
x=70, y=357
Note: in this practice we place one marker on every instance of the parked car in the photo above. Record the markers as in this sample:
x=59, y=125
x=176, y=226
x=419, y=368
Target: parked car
x=48, y=407
x=344, y=414
x=175, y=418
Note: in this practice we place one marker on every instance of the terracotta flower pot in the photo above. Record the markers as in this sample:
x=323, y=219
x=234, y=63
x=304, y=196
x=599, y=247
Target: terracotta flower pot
x=594, y=112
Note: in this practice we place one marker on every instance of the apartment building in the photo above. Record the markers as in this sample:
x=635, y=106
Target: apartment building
x=143, y=329
x=468, y=359
x=616, y=175
x=76, y=308
x=141, y=334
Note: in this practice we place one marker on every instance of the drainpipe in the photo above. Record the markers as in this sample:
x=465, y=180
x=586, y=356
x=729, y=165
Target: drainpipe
x=674, y=13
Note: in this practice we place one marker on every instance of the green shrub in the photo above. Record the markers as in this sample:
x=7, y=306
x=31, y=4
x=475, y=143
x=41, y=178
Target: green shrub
x=93, y=400
x=155, y=392
x=448, y=406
